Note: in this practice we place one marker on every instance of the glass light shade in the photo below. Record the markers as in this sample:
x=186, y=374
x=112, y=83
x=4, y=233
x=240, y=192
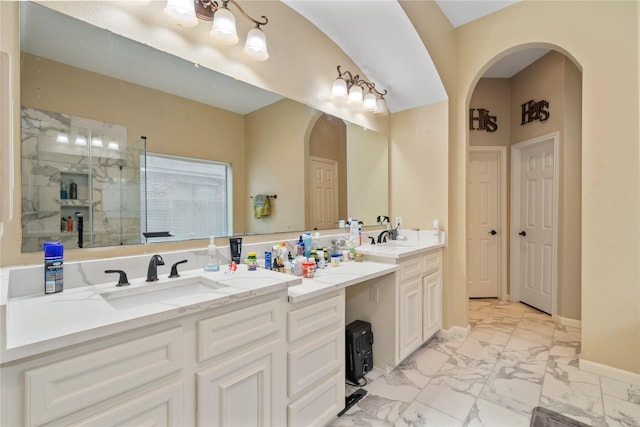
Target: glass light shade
x=381, y=106
x=369, y=103
x=223, y=29
x=256, y=45
x=355, y=95
x=81, y=140
x=96, y=142
x=339, y=88
x=182, y=12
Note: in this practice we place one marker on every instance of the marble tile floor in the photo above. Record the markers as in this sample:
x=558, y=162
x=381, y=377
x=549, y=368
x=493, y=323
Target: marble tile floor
x=514, y=359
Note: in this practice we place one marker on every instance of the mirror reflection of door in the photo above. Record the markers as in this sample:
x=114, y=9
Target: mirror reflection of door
x=324, y=192
x=327, y=173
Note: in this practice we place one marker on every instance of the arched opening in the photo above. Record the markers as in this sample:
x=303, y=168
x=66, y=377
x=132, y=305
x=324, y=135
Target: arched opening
x=509, y=104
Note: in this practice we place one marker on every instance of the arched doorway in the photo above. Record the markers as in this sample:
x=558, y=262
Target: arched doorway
x=539, y=98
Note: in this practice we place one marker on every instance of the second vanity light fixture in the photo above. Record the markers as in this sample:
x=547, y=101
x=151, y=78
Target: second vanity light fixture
x=223, y=30
x=351, y=87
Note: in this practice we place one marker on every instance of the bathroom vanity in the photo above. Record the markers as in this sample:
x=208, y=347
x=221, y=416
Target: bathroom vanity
x=241, y=348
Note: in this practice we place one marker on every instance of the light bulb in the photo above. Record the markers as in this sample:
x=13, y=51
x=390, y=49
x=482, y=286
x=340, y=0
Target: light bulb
x=355, y=95
x=256, y=45
x=381, y=106
x=223, y=29
x=339, y=88
x=369, y=103
x=182, y=12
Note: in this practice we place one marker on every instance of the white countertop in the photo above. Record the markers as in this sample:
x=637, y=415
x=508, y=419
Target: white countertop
x=35, y=324
x=395, y=250
x=334, y=278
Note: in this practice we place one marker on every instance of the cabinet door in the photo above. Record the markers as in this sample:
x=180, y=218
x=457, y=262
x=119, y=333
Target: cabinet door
x=432, y=315
x=242, y=391
x=410, y=316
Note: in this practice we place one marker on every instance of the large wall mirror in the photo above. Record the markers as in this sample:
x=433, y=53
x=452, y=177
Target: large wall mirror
x=89, y=81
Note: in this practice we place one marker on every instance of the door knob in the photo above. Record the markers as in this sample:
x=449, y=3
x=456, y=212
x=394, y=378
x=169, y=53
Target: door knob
x=493, y=232
x=523, y=233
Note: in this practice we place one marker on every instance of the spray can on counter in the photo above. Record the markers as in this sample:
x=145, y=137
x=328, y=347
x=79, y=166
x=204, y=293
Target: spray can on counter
x=53, y=274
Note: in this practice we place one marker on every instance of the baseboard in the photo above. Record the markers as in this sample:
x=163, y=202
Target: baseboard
x=610, y=372
x=453, y=331
x=565, y=321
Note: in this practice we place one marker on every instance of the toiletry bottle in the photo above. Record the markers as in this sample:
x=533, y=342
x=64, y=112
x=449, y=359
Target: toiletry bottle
x=73, y=190
x=321, y=260
x=69, y=223
x=297, y=267
x=252, y=261
x=53, y=274
x=307, y=244
x=63, y=191
x=212, y=263
x=354, y=231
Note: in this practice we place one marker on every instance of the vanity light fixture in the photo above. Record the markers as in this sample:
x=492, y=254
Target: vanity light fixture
x=351, y=87
x=223, y=29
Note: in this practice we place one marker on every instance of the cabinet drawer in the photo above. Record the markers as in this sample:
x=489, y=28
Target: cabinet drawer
x=320, y=405
x=61, y=388
x=161, y=407
x=411, y=268
x=315, y=360
x=227, y=332
x=313, y=318
x=432, y=262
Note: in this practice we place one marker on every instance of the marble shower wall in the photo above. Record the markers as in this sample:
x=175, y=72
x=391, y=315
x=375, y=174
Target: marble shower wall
x=58, y=149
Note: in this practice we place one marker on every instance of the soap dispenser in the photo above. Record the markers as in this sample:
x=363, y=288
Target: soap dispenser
x=212, y=263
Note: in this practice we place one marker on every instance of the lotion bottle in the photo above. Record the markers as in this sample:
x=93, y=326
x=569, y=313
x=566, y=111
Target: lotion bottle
x=212, y=263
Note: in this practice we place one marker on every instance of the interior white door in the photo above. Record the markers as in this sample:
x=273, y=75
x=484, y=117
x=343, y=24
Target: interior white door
x=483, y=205
x=536, y=224
x=324, y=193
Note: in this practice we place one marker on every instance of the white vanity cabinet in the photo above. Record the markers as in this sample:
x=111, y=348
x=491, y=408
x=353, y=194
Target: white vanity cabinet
x=240, y=373
x=315, y=360
x=420, y=300
x=221, y=366
x=137, y=377
x=432, y=295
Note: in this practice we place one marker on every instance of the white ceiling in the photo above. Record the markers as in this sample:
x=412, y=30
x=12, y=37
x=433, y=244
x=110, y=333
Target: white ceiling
x=380, y=39
x=376, y=34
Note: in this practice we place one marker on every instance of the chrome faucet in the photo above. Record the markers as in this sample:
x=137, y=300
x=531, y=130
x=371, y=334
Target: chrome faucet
x=152, y=271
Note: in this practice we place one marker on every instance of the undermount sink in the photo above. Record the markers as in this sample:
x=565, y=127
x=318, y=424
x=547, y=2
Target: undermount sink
x=397, y=243
x=152, y=293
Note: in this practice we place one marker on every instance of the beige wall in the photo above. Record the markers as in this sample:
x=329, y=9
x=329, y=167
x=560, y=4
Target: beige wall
x=368, y=174
x=493, y=95
x=276, y=159
x=556, y=79
x=608, y=59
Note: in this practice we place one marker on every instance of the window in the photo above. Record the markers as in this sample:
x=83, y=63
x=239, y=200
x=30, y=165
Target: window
x=188, y=198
